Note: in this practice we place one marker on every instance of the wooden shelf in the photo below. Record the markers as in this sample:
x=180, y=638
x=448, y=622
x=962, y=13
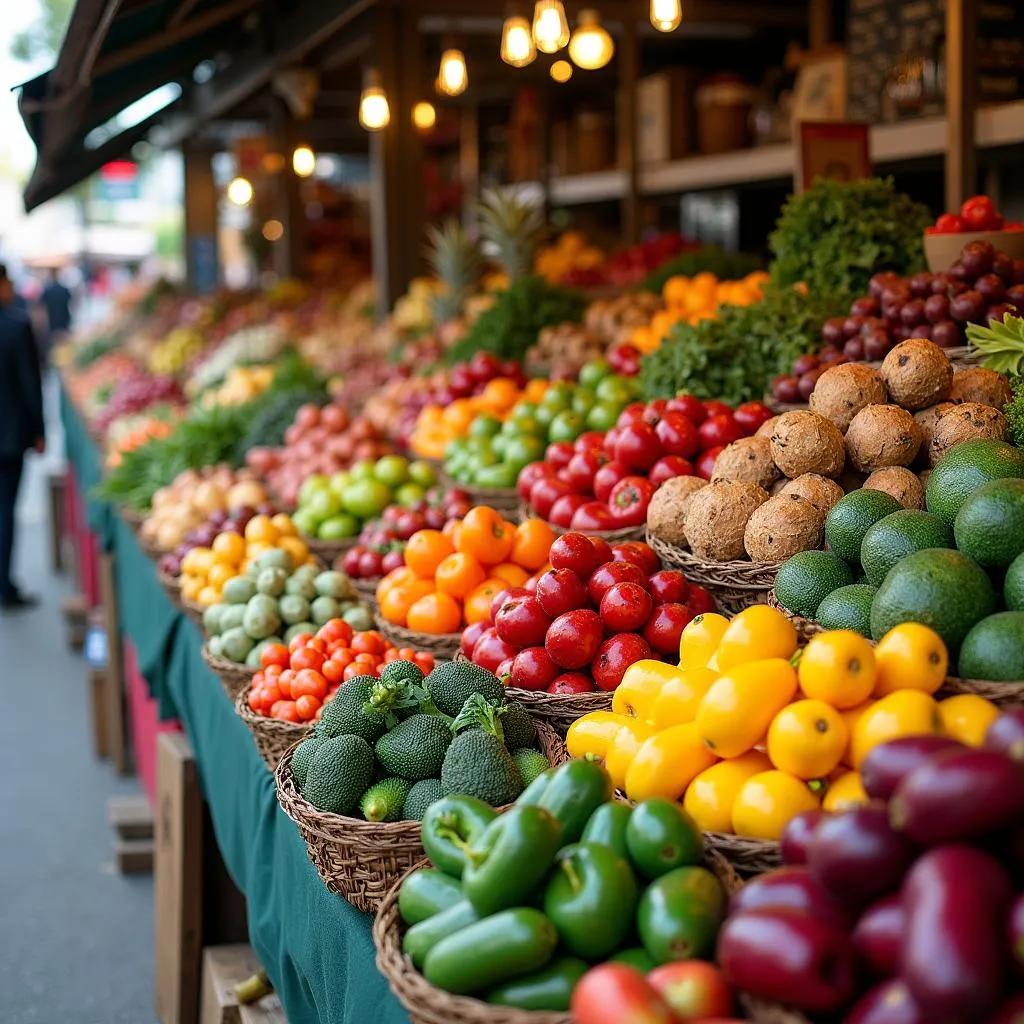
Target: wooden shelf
x=597, y=187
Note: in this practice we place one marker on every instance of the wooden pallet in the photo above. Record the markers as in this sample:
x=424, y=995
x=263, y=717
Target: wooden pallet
x=224, y=968
x=132, y=820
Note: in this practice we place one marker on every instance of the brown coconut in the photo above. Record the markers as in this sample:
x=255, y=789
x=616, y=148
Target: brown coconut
x=666, y=515
x=903, y=484
x=928, y=419
x=917, y=373
x=717, y=518
x=821, y=492
x=966, y=423
x=980, y=385
x=781, y=527
x=748, y=460
x=804, y=442
x=882, y=435
x=842, y=391
x=766, y=428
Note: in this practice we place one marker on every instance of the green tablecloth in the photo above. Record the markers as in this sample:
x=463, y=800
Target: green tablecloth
x=316, y=948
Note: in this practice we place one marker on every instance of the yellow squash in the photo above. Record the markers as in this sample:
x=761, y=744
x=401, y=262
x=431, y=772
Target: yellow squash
x=903, y=713
x=680, y=697
x=667, y=763
x=710, y=797
x=593, y=733
x=642, y=682
x=700, y=639
x=766, y=802
x=623, y=748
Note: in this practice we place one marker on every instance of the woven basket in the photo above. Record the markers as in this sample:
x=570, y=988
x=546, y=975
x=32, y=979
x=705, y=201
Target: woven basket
x=502, y=499
x=367, y=590
x=272, y=736
x=778, y=408
x=560, y=710
x=1003, y=695
x=428, y=1005
x=524, y=512
x=444, y=646
x=805, y=628
x=748, y=856
x=734, y=585
x=193, y=610
x=233, y=677
x=171, y=588
x=361, y=860
x=328, y=550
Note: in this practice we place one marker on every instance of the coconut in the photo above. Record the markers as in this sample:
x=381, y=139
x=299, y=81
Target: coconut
x=781, y=527
x=766, y=428
x=804, y=442
x=717, y=518
x=666, y=514
x=917, y=373
x=966, y=423
x=980, y=385
x=928, y=419
x=903, y=484
x=882, y=435
x=780, y=485
x=748, y=460
x=843, y=390
x=821, y=492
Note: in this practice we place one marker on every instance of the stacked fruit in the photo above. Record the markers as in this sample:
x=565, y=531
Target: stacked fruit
x=138, y=392
x=295, y=680
x=910, y=908
x=172, y=355
x=241, y=385
x=978, y=213
x=131, y=432
x=606, y=481
x=581, y=624
x=382, y=542
x=450, y=577
x=698, y=733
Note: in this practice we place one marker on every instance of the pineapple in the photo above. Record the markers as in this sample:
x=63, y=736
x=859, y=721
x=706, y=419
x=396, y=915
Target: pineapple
x=514, y=227
x=454, y=258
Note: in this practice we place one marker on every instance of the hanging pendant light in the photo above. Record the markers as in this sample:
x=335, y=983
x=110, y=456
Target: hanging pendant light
x=561, y=71
x=240, y=191
x=591, y=47
x=374, y=109
x=424, y=116
x=517, y=45
x=452, y=77
x=666, y=14
x=550, y=26
x=303, y=161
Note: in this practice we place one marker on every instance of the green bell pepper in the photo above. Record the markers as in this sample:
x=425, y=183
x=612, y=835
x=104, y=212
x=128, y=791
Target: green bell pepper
x=636, y=957
x=576, y=790
x=425, y=893
x=492, y=951
x=421, y=938
x=509, y=861
x=607, y=826
x=549, y=989
x=450, y=826
x=535, y=789
x=661, y=837
x=679, y=915
x=591, y=899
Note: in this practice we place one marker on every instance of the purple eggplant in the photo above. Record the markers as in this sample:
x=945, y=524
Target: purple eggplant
x=883, y=768
x=791, y=888
x=959, y=796
x=878, y=937
x=1006, y=734
x=955, y=900
x=797, y=834
x=888, y=1003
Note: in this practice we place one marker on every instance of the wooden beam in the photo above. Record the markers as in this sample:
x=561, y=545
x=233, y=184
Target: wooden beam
x=820, y=23
x=961, y=53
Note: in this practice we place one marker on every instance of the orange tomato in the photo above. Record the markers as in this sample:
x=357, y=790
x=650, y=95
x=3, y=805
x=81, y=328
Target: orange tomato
x=285, y=710
x=332, y=671
x=426, y=550
x=395, y=602
x=307, y=658
x=435, y=613
x=309, y=682
x=300, y=640
x=514, y=575
x=531, y=543
x=306, y=707
x=369, y=642
x=459, y=575
x=275, y=654
x=485, y=536
x=336, y=630
x=395, y=578
x=478, y=605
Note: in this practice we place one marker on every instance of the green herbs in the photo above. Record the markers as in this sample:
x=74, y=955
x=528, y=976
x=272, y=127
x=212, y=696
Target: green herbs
x=835, y=236
x=518, y=315
x=1001, y=344
x=735, y=357
x=726, y=266
x=87, y=354
x=1014, y=413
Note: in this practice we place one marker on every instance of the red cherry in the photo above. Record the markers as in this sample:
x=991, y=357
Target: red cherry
x=522, y=622
x=668, y=586
x=573, y=639
x=625, y=607
x=665, y=627
x=607, y=575
x=571, y=682
x=615, y=655
x=560, y=591
x=533, y=669
x=576, y=552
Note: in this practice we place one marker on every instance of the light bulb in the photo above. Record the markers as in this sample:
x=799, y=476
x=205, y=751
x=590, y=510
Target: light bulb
x=374, y=109
x=591, y=47
x=453, y=78
x=240, y=191
x=273, y=230
x=424, y=116
x=561, y=71
x=666, y=14
x=303, y=161
x=550, y=26
x=517, y=46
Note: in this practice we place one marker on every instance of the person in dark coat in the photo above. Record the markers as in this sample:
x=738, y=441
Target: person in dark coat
x=21, y=426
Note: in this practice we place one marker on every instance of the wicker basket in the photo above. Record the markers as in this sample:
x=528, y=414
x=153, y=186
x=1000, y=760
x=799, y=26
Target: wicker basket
x=428, y=1005
x=444, y=646
x=734, y=585
x=1003, y=695
x=171, y=588
x=560, y=710
x=367, y=590
x=524, y=512
x=233, y=677
x=272, y=736
x=747, y=856
x=361, y=860
x=805, y=628
x=504, y=500
x=328, y=550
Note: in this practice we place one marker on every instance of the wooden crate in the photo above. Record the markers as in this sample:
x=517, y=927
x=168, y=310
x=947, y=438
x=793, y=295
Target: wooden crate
x=224, y=968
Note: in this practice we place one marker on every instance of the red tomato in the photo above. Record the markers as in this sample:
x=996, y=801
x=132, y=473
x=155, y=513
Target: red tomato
x=751, y=415
x=367, y=659
x=309, y=682
x=307, y=657
x=344, y=657
x=332, y=671
x=978, y=213
x=616, y=993
x=284, y=682
x=300, y=640
x=949, y=224
x=270, y=695
x=272, y=672
x=307, y=706
x=716, y=408
x=274, y=654
x=256, y=700
x=694, y=989
x=370, y=642
x=318, y=644
x=425, y=662
x=285, y=711
x=353, y=670
x=334, y=631
x=719, y=430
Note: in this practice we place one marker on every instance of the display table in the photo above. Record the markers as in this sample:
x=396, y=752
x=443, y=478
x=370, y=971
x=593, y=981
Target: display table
x=316, y=948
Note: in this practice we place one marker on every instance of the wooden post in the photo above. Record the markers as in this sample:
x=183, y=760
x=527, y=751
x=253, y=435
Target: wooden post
x=469, y=163
x=289, y=253
x=629, y=71
x=117, y=738
x=819, y=23
x=201, y=200
x=961, y=53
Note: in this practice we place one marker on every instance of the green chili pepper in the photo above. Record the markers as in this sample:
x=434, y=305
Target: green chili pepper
x=421, y=938
x=607, y=826
x=425, y=893
x=549, y=989
x=576, y=790
x=450, y=826
x=535, y=790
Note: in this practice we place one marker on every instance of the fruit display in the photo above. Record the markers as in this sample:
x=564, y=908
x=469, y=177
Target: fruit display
x=257, y=343
x=451, y=576
x=613, y=320
x=979, y=213
x=295, y=681
x=907, y=908
x=745, y=741
x=581, y=624
x=515, y=906
x=401, y=740
x=242, y=384
x=138, y=392
x=130, y=433
x=173, y=355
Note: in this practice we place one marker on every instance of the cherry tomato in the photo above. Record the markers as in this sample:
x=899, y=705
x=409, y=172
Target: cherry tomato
x=274, y=654
x=319, y=713
x=949, y=224
x=307, y=706
x=300, y=640
x=335, y=630
x=273, y=671
x=425, y=662
x=307, y=657
x=309, y=682
x=332, y=671
x=353, y=670
x=614, y=993
x=978, y=213
x=256, y=700
x=284, y=683
x=344, y=657
x=370, y=642
x=318, y=644
x=285, y=711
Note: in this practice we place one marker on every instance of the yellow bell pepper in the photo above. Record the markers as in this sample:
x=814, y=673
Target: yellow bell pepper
x=623, y=748
x=593, y=733
x=679, y=698
x=667, y=763
x=710, y=797
x=700, y=639
x=641, y=684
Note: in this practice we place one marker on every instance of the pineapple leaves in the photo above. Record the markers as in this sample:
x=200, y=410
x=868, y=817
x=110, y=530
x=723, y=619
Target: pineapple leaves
x=1001, y=344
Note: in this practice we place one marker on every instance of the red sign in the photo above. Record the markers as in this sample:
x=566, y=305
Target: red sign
x=119, y=170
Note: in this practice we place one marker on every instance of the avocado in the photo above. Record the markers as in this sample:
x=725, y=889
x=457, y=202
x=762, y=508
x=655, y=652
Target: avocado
x=384, y=800
x=478, y=764
x=990, y=524
x=415, y=748
x=807, y=578
x=452, y=683
x=302, y=757
x=848, y=607
x=421, y=796
x=517, y=726
x=851, y=518
x=939, y=588
x=1013, y=585
x=339, y=773
x=994, y=649
x=964, y=469
x=898, y=535
x=345, y=713
x=531, y=764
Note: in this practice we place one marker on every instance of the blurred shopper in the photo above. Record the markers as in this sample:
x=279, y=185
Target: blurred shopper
x=56, y=301
x=21, y=426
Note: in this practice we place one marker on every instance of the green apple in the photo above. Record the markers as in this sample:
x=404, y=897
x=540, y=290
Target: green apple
x=583, y=400
x=523, y=411
x=519, y=451
x=501, y=475
x=422, y=473
x=614, y=391
x=323, y=504
x=457, y=446
x=364, y=469
x=392, y=470
x=409, y=493
x=566, y=426
x=500, y=444
x=339, y=527
x=305, y=522
x=340, y=482
x=312, y=484
x=602, y=416
x=592, y=373
x=484, y=426
x=545, y=415
x=367, y=498
x=558, y=397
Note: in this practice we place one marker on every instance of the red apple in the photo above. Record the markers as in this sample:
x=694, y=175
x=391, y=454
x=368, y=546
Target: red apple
x=582, y=468
x=435, y=518
x=574, y=551
x=573, y=639
x=706, y=462
x=522, y=622
x=692, y=408
x=638, y=446
x=654, y=411
x=370, y=564
x=490, y=650
x=350, y=562
x=668, y=587
x=504, y=671
x=625, y=607
x=665, y=627
x=629, y=500
x=590, y=440
x=606, y=576
x=508, y=594
x=545, y=492
x=602, y=549
x=565, y=508
x=558, y=454
x=751, y=415
x=695, y=990
x=633, y=413
x=560, y=591
x=571, y=682
x=530, y=474
x=470, y=635
x=667, y=467
x=715, y=408
x=593, y=516
x=699, y=601
x=639, y=553
x=391, y=561
x=678, y=435
x=533, y=669
x=719, y=431
x=615, y=655
x=607, y=477
x=611, y=439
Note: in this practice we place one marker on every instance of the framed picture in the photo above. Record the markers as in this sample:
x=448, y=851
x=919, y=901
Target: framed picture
x=820, y=90
x=833, y=149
